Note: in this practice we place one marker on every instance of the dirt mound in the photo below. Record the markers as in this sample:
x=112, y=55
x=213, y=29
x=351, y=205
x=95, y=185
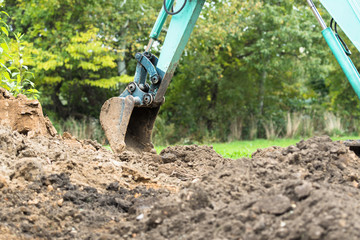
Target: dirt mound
x=307, y=191
x=175, y=166
x=24, y=160
x=69, y=189
x=45, y=182
x=24, y=115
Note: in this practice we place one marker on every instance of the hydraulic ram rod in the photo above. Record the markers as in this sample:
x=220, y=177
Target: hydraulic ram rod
x=317, y=14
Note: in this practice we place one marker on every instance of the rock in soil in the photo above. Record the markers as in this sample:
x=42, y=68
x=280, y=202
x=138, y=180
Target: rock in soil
x=63, y=188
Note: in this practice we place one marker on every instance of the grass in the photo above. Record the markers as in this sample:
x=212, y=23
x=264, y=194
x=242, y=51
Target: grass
x=239, y=149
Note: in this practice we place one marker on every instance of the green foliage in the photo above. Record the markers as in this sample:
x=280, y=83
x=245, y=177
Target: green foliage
x=81, y=51
x=15, y=76
x=163, y=134
x=247, y=66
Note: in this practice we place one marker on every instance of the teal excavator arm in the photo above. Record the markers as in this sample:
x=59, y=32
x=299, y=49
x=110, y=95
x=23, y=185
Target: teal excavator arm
x=128, y=120
x=346, y=13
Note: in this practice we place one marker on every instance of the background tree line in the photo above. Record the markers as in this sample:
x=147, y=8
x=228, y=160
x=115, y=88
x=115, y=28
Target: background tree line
x=252, y=68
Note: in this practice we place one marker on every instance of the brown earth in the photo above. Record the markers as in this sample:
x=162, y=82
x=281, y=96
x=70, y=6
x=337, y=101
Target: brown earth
x=63, y=188
x=24, y=115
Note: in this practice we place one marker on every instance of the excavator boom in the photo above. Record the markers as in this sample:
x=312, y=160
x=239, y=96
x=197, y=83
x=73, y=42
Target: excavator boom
x=128, y=120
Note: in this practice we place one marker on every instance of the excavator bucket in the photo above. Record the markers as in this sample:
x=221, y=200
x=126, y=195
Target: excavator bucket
x=126, y=126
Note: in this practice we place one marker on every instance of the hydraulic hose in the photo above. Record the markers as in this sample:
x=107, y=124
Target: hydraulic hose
x=174, y=13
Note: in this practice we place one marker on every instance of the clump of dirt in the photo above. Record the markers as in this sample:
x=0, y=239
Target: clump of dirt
x=60, y=187
x=175, y=166
x=53, y=207
x=24, y=115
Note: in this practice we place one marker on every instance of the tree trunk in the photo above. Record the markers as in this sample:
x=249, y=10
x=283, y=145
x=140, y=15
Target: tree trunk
x=121, y=64
x=58, y=107
x=262, y=92
x=212, y=105
x=236, y=128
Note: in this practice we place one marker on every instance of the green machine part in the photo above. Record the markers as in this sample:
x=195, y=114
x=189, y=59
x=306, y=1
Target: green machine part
x=128, y=120
x=161, y=20
x=346, y=14
x=177, y=37
x=345, y=62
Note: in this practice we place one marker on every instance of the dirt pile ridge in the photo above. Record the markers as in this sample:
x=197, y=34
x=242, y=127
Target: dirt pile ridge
x=24, y=115
x=307, y=191
x=63, y=188
x=25, y=159
x=45, y=182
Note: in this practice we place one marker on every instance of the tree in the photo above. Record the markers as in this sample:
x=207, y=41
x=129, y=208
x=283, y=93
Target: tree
x=15, y=76
x=80, y=48
x=247, y=64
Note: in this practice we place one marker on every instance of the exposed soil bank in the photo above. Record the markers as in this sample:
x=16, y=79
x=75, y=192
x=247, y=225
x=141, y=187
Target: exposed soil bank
x=24, y=115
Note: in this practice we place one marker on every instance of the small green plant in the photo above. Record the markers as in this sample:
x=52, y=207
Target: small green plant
x=15, y=76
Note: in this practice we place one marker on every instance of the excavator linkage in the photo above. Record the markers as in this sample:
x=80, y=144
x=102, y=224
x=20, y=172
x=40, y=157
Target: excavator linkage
x=128, y=120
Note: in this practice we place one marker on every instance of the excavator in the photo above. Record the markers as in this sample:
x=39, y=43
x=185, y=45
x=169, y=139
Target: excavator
x=128, y=120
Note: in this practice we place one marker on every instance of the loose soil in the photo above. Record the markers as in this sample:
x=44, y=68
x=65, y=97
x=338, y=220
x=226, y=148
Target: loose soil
x=54, y=187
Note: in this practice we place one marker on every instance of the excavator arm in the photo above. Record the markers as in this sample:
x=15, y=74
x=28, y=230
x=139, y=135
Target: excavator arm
x=346, y=13
x=128, y=120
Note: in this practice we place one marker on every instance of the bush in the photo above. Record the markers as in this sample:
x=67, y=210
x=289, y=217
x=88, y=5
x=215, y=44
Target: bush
x=15, y=76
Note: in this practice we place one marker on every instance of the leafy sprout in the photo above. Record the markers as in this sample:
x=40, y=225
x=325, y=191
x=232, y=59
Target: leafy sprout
x=15, y=76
